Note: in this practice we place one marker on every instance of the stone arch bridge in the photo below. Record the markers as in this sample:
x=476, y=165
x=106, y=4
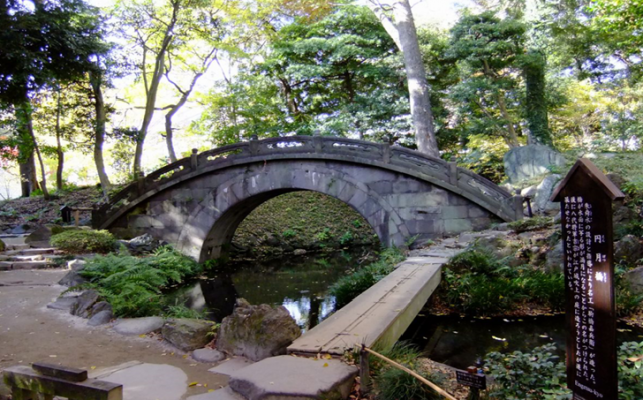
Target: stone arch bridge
x=198, y=202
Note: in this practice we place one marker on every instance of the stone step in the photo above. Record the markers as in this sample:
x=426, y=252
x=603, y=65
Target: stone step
x=16, y=247
x=14, y=265
x=30, y=252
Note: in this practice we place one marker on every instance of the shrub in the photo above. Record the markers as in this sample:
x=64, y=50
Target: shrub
x=133, y=285
x=527, y=376
x=346, y=238
x=84, y=241
x=351, y=286
x=540, y=375
x=477, y=283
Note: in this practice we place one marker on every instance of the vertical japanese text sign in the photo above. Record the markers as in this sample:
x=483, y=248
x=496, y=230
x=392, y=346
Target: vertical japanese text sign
x=586, y=197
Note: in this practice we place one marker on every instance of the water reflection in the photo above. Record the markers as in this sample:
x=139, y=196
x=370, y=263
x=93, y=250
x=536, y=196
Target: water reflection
x=299, y=283
x=460, y=341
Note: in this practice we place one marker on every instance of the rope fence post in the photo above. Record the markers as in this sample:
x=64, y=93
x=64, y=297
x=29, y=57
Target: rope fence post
x=364, y=372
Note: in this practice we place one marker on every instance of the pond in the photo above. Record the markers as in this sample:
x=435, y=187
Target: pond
x=459, y=342
x=299, y=283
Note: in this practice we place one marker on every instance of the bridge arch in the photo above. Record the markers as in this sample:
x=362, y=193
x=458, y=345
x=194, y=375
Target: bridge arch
x=198, y=202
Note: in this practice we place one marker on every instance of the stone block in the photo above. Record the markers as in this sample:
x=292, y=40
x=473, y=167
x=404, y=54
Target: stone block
x=457, y=225
x=477, y=211
x=455, y=212
x=143, y=221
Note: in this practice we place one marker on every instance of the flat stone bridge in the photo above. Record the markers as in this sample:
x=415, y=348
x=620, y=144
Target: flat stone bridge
x=198, y=202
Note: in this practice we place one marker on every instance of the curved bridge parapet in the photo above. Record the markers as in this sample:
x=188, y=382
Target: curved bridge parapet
x=197, y=203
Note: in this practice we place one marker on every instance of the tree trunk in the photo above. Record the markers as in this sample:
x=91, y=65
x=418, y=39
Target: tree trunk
x=28, y=178
x=101, y=116
x=403, y=32
x=59, y=149
x=536, y=102
x=29, y=127
x=512, y=137
x=152, y=90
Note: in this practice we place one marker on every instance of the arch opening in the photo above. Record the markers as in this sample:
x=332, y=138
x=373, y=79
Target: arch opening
x=308, y=225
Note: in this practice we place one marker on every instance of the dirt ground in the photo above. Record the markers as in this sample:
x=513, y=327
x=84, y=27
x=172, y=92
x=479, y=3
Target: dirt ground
x=30, y=332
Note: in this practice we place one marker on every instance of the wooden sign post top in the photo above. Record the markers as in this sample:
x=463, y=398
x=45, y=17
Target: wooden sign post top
x=586, y=197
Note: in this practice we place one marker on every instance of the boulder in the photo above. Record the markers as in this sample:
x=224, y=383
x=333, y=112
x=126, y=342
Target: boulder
x=497, y=244
x=76, y=265
x=257, y=332
x=208, y=355
x=138, y=326
x=628, y=250
x=63, y=303
x=544, y=190
x=72, y=279
x=187, y=334
x=100, y=307
x=143, y=244
x=634, y=279
x=101, y=318
x=41, y=235
x=20, y=229
x=554, y=258
x=83, y=305
x=529, y=161
x=300, y=378
x=622, y=214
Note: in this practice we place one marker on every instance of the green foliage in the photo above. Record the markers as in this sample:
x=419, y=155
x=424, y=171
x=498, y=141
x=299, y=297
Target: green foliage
x=346, y=238
x=323, y=235
x=352, y=285
x=531, y=224
x=181, y=311
x=394, y=384
x=539, y=375
x=627, y=303
x=527, y=376
x=289, y=233
x=84, y=241
x=133, y=285
x=476, y=282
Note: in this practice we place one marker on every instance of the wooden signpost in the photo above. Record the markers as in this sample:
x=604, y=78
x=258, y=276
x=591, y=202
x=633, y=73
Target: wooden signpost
x=586, y=197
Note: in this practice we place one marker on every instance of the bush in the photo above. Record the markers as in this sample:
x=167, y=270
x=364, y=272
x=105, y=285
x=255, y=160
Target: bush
x=84, y=241
x=527, y=376
x=540, y=375
x=352, y=285
x=477, y=283
x=133, y=285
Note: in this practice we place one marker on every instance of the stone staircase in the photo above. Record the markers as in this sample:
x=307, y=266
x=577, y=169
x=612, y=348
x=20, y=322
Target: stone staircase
x=20, y=255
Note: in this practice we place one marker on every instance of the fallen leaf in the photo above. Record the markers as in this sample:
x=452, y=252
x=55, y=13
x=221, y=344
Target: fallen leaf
x=52, y=356
x=193, y=384
x=143, y=335
x=93, y=367
x=325, y=365
x=328, y=356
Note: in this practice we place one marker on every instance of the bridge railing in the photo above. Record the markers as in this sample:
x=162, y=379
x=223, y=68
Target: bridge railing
x=369, y=152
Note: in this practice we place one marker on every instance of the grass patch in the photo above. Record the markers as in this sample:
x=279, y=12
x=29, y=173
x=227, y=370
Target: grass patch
x=354, y=284
x=133, y=286
x=84, y=241
x=477, y=283
x=530, y=224
x=393, y=384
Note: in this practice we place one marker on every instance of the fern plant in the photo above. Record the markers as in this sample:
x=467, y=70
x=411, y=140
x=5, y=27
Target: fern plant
x=133, y=286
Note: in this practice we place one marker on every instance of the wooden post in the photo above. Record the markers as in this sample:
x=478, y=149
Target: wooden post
x=193, y=159
x=77, y=217
x=586, y=197
x=140, y=180
x=364, y=373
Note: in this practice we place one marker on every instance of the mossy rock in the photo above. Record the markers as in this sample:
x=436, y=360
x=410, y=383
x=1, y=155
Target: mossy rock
x=2, y=245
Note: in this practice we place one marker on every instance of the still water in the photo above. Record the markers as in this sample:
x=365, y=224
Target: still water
x=299, y=283
x=459, y=342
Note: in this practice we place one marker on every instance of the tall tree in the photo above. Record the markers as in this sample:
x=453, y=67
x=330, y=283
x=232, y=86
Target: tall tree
x=401, y=27
x=51, y=41
x=161, y=32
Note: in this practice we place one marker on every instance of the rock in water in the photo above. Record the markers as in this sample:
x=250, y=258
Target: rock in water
x=187, y=334
x=257, y=332
x=532, y=160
